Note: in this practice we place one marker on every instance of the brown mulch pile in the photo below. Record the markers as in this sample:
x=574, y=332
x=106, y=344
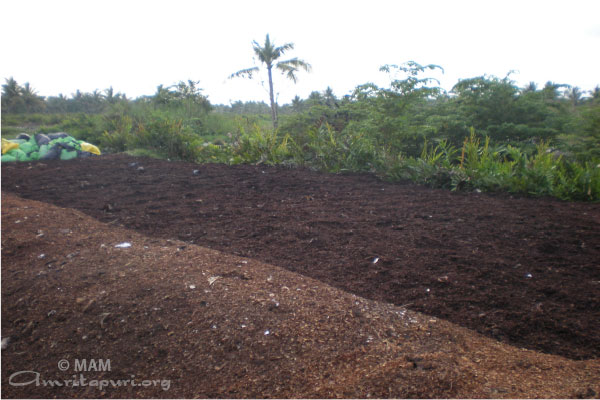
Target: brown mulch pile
x=523, y=271
x=202, y=323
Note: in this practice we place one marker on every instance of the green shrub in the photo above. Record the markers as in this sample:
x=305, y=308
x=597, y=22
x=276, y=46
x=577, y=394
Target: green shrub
x=261, y=146
x=330, y=150
x=119, y=136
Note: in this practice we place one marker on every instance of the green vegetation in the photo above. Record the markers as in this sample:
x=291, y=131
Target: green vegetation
x=487, y=134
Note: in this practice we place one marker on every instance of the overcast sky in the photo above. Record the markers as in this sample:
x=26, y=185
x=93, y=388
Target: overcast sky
x=61, y=46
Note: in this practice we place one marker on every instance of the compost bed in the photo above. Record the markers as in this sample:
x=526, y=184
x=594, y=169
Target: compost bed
x=523, y=271
x=183, y=321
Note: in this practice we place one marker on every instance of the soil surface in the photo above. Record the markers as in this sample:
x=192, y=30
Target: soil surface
x=523, y=271
x=175, y=320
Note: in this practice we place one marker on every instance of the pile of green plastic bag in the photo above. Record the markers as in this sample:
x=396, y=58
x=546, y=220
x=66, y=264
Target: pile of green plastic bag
x=54, y=146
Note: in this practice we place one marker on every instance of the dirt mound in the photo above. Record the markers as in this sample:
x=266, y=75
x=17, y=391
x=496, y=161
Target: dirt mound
x=217, y=325
x=523, y=271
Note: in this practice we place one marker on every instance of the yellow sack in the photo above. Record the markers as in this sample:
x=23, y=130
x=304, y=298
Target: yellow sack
x=8, y=145
x=90, y=148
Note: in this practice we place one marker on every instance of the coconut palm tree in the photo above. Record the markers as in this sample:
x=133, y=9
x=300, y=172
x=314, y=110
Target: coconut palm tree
x=11, y=88
x=268, y=54
x=12, y=100
x=33, y=102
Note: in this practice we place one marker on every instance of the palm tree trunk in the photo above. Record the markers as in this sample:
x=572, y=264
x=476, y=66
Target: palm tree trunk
x=272, y=98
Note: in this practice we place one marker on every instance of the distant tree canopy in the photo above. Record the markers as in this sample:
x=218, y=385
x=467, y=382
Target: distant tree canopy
x=186, y=95
x=248, y=107
x=24, y=99
x=20, y=99
x=413, y=109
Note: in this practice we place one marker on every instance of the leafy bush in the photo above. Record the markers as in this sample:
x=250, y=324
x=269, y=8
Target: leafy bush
x=575, y=181
x=162, y=135
x=119, y=136
x=261, y=146
x=333, y=151
x=501, y=169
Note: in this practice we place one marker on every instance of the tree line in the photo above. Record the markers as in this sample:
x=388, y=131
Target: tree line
x=399, y=117
x=18, y=99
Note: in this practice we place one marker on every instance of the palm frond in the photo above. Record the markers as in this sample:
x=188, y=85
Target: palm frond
x=288, y=70
x=296, y=63
x=279, y=51
x=244, y=73
x=290, y=67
